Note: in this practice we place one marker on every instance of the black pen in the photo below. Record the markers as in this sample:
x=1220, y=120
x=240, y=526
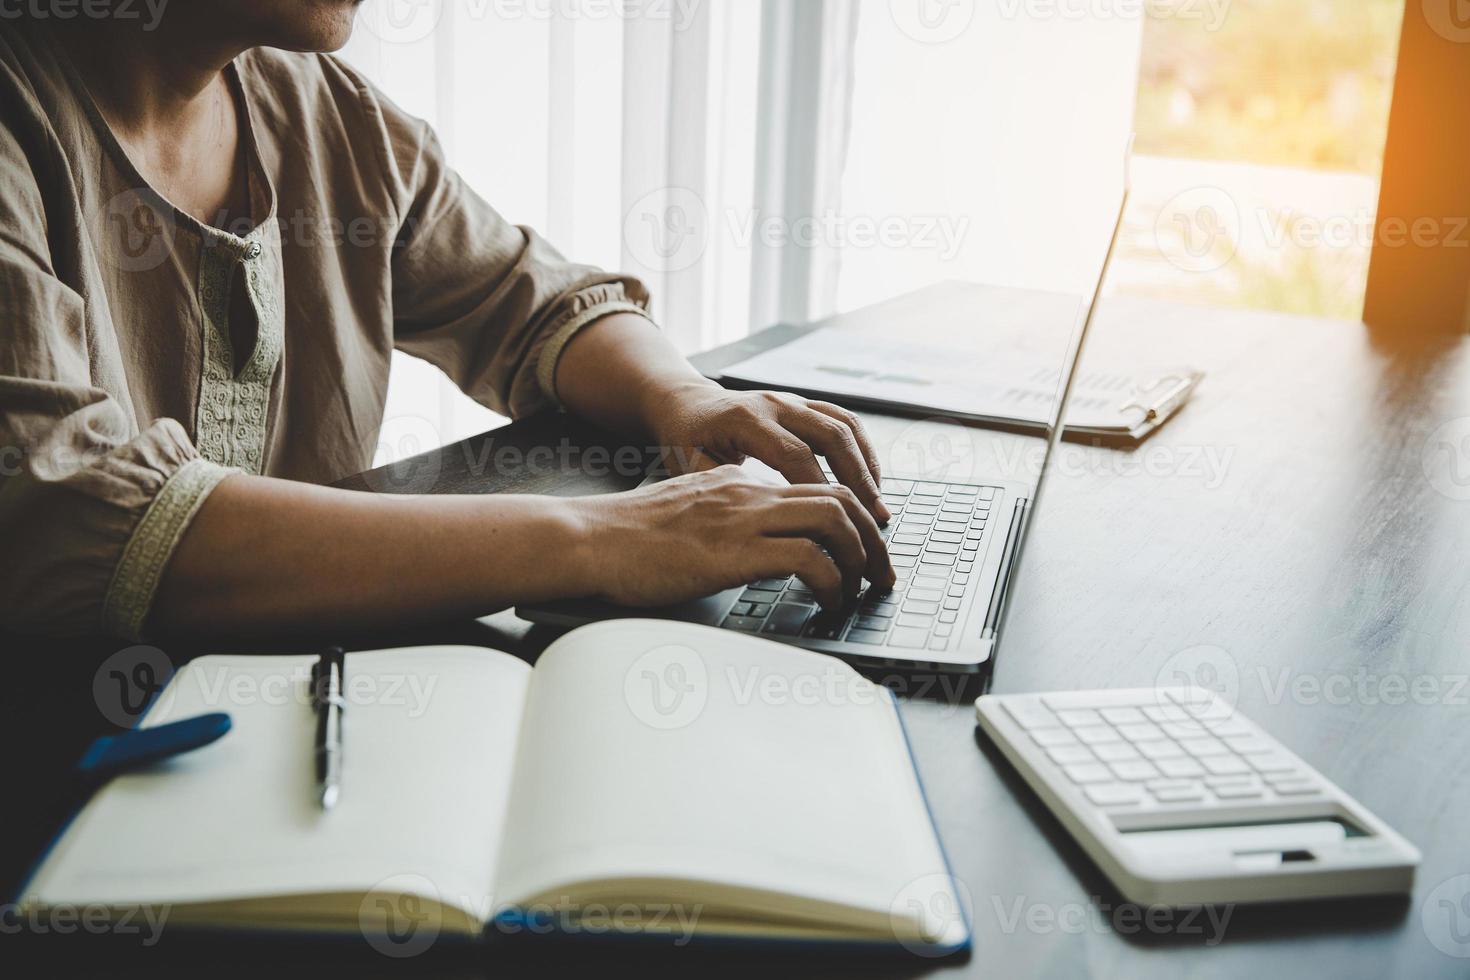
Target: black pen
x=326, y=698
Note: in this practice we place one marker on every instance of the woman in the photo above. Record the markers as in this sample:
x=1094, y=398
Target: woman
x=186, y=355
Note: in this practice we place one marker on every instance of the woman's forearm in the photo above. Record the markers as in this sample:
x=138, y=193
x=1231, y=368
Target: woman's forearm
x=266, y=556
x=619, y=370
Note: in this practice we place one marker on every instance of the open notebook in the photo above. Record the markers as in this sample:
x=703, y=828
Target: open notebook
x=653, y=778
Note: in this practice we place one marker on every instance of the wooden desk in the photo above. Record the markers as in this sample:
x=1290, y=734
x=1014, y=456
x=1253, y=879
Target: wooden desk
x=1285, y=523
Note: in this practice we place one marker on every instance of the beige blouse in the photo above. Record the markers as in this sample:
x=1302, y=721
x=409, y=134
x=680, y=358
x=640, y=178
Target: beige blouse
x=122, y=400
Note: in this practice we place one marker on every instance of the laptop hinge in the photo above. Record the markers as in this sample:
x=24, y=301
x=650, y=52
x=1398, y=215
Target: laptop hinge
x=1003, y=574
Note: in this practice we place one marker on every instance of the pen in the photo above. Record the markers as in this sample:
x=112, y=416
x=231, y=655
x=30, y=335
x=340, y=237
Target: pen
x=326, y=698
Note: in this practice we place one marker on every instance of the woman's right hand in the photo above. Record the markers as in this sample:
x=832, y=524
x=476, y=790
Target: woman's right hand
x=699, y=534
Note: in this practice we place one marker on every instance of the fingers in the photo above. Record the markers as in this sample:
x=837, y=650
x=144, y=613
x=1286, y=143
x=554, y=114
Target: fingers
x=835, y=439
x=802, y=557
x=877, y=567
x=783, y=451
x=865, y=444
x=824, y=519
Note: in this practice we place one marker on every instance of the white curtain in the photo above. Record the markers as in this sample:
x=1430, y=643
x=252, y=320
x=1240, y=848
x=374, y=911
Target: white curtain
x=623, y=130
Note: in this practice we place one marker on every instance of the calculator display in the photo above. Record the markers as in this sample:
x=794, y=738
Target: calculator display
x=1341, y=829
x=1250, y=845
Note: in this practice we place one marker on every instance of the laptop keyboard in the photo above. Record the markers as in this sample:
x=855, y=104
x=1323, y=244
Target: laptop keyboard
x=934, y=539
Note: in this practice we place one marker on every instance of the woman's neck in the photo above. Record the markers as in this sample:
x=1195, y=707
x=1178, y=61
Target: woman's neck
x=149, y=82
x=166, y=99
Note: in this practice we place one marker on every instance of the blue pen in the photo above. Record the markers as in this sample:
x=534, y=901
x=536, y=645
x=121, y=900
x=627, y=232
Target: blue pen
x=112, y=755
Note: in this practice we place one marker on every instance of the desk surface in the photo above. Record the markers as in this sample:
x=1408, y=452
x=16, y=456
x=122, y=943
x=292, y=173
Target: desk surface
x=1282, y=539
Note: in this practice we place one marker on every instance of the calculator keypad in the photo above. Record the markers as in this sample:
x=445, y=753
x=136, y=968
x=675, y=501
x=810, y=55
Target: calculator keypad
x=1182, y=752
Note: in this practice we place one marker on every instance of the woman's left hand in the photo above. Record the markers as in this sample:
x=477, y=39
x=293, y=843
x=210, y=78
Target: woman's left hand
x=700, y=426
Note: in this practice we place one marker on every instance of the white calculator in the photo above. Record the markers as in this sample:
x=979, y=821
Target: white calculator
x=1181, y=801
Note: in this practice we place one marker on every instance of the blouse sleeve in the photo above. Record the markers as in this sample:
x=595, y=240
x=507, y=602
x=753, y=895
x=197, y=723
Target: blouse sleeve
x=91, y=506
x=490, y=304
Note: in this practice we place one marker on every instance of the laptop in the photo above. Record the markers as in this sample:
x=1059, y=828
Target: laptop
x=955, y=547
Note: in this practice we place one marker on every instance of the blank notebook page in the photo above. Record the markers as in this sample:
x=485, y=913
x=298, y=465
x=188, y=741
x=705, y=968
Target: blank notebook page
x=428, y=743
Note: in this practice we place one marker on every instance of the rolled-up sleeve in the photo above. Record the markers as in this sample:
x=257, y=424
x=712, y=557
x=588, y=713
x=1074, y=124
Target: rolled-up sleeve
x=491, y=304
x=91, y=505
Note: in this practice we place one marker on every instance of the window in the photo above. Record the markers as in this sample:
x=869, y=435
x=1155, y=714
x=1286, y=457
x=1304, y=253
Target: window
x=1261, y=128
x=1260, y=123
x=983, y=143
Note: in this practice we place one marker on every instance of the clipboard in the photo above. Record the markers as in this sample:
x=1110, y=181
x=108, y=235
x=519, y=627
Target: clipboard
x=1012, y=389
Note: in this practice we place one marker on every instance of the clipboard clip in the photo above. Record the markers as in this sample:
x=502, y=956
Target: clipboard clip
x=1162, y=398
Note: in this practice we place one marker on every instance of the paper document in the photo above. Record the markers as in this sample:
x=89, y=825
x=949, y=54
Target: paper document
x=1006, y=384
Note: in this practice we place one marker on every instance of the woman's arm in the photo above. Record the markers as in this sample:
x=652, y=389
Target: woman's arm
x=622, y=372
x=269, y=556
x=266, y=555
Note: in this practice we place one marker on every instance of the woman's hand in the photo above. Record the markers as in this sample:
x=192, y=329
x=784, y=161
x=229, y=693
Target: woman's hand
x=699, y=534
x=623, y=374
x=701, y=425
x=709, y=531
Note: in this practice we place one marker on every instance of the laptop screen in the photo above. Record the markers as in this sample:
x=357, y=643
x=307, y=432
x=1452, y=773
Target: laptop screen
x=1071, y=364
x=1061, y=404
